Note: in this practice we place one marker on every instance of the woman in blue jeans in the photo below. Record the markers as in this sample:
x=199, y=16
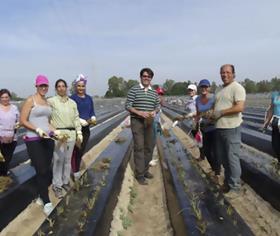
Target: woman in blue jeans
x=204, y=105
x=273, y=118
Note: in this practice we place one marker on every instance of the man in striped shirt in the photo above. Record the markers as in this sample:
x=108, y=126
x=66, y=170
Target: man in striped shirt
x=143, y=103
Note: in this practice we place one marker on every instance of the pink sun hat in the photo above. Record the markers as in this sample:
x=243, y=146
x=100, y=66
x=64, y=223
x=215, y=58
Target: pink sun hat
x=41, y=79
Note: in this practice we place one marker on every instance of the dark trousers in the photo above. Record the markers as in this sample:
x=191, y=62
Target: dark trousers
x=209, y=151
x=41, y=154
x=143, y=138
x=7, y=150
x=275, y=136
x=79, y=152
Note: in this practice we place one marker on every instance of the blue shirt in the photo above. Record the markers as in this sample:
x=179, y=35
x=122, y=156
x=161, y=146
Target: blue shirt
x=275, y=101
x=206, y=125
x=85, y=106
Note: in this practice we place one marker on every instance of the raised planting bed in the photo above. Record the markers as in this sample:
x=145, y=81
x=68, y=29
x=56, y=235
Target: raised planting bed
x=263, y=182
x=87, y=208
x=202, y=206
x=23, y=177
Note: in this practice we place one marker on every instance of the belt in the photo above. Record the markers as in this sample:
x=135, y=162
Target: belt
x=68, y=128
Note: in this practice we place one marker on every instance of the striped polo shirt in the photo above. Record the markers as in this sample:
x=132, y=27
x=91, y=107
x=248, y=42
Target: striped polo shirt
x=142, y=100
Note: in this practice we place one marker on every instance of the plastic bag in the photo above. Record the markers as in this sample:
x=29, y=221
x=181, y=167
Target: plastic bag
x=126, y=123
x=198, y=139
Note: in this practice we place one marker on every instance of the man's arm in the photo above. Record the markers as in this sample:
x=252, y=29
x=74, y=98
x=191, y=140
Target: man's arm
x=237, y=107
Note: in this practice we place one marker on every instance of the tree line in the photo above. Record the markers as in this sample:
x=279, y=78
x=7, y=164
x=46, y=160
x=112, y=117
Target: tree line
x=118, y=86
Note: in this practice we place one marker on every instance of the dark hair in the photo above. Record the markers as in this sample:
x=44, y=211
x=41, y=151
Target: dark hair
x=3, y=91
x=148, y=70
x=230, y=65
x=60, y=80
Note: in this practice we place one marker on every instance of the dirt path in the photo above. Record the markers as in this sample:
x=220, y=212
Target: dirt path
x=28, y=221
x=260, y=216
x=145, y=211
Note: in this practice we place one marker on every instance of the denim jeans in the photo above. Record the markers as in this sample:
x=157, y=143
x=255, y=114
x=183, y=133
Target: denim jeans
x=276, y=138
x=228, y=143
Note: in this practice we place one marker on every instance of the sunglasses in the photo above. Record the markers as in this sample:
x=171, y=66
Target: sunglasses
x=146, y=76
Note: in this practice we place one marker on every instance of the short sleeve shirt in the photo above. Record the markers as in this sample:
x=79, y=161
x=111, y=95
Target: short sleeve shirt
x=275, y=100
x=226, y=97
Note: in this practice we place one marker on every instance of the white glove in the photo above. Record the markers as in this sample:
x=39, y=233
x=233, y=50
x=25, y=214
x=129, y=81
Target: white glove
x=17, y=125
x=83, y=122
x=56, y=132
x=79, y=137
x=41, y=133
x=217, y=114
x=2, y=157
x=93, y=120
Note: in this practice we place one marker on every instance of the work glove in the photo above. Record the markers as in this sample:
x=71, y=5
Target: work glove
x=83, y=122
x=217, y=115
x=17, y=125
x=2, y=157
x=41, y=133
x=188, y=116
x=79, y=137
x=178, y=118
x=92, y=120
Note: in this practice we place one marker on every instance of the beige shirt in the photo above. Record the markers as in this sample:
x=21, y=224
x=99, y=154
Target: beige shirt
x=65, y=115
x=226, y=98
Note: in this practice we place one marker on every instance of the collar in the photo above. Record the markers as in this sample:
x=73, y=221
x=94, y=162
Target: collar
x=146, y=89
x=62, y=99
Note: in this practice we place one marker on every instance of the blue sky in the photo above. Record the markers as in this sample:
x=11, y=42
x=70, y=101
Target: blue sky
x=180, y=40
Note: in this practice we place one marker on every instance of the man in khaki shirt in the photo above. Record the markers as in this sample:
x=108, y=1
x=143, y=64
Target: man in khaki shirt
x=229, y=103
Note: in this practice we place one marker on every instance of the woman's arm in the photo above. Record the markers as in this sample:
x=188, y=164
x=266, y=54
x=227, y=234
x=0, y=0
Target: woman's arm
x=25, y=111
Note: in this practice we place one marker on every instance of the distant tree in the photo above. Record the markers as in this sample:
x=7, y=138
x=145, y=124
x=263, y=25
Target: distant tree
x=117, y=87
x=275, y=84
x=168, y=85
x=263, y=86
x=130, y=83
x=178, y=88
x=250, y=86
x=213, y=87
x=14, y=97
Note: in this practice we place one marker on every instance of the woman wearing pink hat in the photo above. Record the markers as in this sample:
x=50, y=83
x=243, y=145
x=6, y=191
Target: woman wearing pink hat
x=35, y=115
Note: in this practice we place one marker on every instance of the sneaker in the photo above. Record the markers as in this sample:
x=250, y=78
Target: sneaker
x=57, y=192
x=142, y=180
x=153, y=162
x=77, y=176
x=148, y=175
x=66, y=187
x=48, y=208
x=232, y=194
x=39, y=201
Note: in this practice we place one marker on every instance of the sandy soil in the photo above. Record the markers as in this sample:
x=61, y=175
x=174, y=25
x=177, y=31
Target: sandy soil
x=28, y=221
x=260, y=216
x=148, y=214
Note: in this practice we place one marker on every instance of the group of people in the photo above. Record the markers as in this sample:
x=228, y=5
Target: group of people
x=218, y=117
x=58, y=129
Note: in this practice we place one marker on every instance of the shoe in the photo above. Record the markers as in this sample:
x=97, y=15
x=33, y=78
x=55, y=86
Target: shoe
x=66, y=187
x=232, y=194
x=148, y=175
x=48, y=208
x=57, y=192
x=142, y=180
x=77, y=176
x=39, y=201
x=225, y=188
x=153, y=162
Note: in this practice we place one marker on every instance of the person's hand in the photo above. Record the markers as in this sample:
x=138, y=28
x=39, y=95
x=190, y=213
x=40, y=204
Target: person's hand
x=188, y=116
x=144, y=114
x=152, y=114
x=216, y=115
x=2, y=159
x=92, y=120
x=79, y=137
x=41, y=133
x=83, y=122
x=17, y=125
x=178, y=118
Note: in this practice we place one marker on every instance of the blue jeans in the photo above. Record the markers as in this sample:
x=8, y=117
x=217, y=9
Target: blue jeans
x=228, y=143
